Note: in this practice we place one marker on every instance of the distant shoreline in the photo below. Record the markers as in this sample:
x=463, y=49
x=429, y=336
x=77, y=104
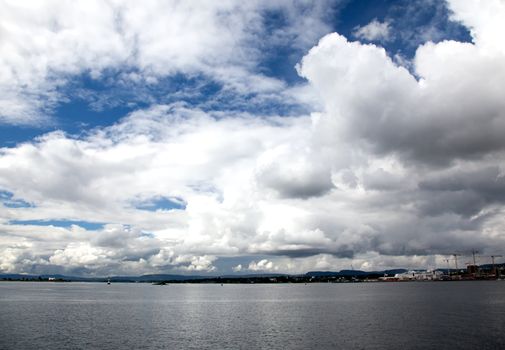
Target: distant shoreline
x=261, y=280
x=472, y=273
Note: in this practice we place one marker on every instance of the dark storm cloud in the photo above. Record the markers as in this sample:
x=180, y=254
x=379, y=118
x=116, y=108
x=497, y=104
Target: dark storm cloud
x=342, y=252
x=295, y=174
x=464, y=192
x=300, y=188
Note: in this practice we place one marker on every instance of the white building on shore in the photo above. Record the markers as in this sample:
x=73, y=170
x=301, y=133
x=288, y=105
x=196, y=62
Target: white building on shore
x=416, y=275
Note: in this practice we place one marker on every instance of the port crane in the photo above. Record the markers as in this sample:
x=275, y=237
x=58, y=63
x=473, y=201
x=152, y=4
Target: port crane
x=493, y=261
x=448, y=269
x=495, y=256
x=473, y=256
x=455, y=255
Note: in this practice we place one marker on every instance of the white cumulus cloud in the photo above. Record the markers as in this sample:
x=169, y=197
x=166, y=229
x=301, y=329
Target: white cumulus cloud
x=398, y=168
x=375, y=30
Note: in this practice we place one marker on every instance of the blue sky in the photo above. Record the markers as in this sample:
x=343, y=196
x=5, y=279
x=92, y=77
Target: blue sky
x=87, y=102
x=231, y=133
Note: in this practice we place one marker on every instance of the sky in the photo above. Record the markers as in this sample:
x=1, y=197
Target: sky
x=227, y=137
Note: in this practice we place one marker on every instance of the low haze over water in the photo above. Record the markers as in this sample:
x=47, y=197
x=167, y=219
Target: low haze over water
x=445, y=315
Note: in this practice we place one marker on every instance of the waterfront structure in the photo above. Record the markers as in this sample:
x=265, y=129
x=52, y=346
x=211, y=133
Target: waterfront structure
x=420, y=275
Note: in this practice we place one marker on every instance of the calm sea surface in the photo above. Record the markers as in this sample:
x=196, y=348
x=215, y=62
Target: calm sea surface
x=430, y=315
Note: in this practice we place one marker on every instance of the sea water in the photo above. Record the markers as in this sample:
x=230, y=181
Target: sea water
x=412, y=315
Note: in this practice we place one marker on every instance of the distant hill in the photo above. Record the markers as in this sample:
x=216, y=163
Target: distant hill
x=255, y=275
x=171, y=277
x=22, y=277
x=142, y=278
x=154, y=278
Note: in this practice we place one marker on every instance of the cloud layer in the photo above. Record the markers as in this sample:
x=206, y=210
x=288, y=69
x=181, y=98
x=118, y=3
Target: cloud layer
x=48, y=45
x=398, y=167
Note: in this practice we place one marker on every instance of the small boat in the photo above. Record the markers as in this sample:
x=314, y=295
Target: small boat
x=108, y=280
